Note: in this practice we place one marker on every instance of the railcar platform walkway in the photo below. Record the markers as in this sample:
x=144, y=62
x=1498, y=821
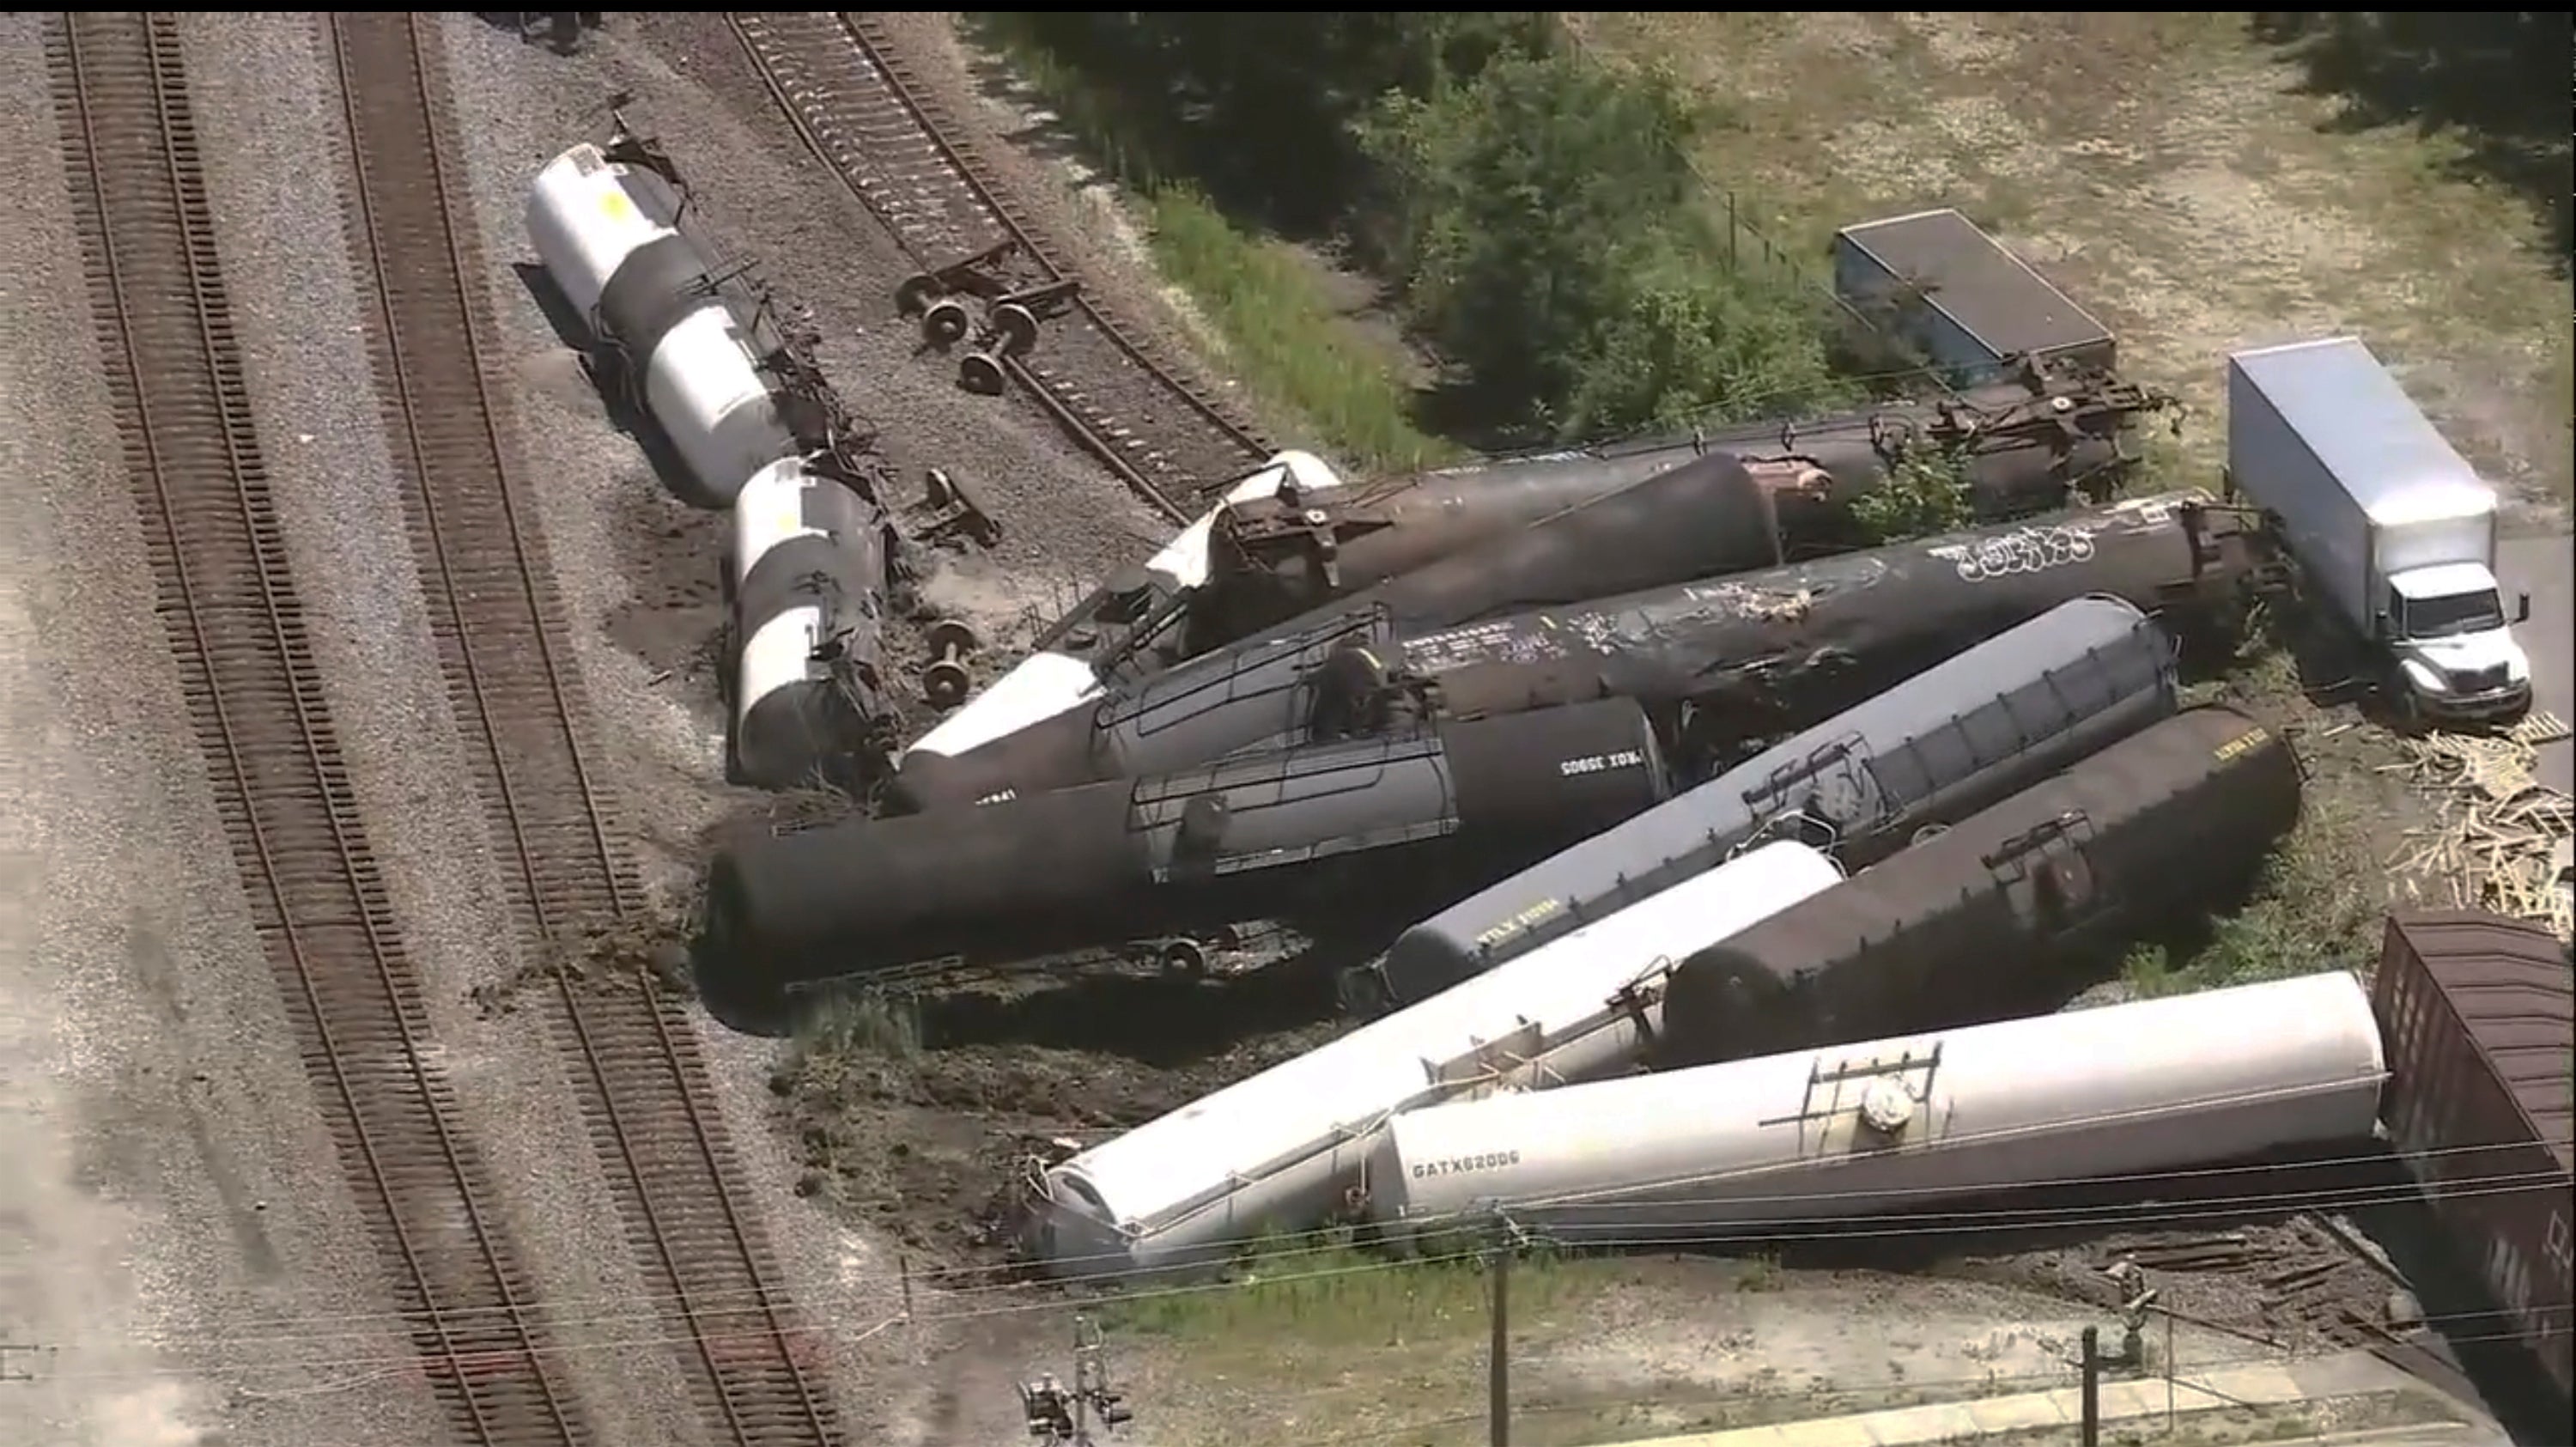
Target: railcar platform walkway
x=2344, y=1375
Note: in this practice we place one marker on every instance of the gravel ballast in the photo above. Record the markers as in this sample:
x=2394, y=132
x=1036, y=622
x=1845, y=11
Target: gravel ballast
x=182, y=1246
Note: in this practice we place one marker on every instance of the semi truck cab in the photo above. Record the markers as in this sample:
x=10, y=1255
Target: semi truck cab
x=2446, y=627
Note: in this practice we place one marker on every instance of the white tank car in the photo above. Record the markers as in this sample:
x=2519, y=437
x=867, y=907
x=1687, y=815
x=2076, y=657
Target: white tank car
x=1047, y=683
x=1794, y=1142
x=1285, y=1148
x=799, y=563
x=607, y=235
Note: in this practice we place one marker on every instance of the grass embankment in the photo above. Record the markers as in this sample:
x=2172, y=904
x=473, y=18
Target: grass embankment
x=1296, y=333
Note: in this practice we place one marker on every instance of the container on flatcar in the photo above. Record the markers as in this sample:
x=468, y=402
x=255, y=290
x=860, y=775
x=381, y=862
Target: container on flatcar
x=2477, y=1012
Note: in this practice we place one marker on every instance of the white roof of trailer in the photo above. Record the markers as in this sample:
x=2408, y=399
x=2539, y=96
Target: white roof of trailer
x=2362, y=425
x=2443, y=580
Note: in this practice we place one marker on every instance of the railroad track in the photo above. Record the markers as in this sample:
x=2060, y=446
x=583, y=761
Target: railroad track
x=255, y=702
x=504, y=647
x=865, y=114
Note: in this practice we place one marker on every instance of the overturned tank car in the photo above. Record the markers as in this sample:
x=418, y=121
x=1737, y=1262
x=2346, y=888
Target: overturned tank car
x=1717, y=662
x=1333, y=828
x=1962, y=735
x=2051, y=437
x=2008, y=911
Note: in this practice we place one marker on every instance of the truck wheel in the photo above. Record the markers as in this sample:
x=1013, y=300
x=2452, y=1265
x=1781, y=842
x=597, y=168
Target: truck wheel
x=2405, y=710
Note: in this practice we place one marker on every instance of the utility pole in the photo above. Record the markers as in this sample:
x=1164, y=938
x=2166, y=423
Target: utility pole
x=1498, y=1355
x=2092, y=1394
x=1061, y=1416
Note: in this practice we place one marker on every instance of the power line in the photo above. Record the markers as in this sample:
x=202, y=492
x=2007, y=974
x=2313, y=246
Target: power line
x=1327, y=1240
x=1327, y=1243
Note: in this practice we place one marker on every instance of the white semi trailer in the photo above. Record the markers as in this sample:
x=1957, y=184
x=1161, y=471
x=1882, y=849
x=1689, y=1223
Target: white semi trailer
x=2390, y=527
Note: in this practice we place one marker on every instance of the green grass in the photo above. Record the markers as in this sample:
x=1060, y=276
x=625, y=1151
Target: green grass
x=1281, y=331
x=1338, y=384
x=2319, y=901
x=1343, y=1297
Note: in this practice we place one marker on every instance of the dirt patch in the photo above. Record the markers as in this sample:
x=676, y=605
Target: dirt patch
x=2174, y=173
x=919, y=1114
x=633, y=954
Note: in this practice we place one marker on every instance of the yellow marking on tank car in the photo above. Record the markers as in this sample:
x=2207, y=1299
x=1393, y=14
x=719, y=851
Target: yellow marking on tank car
x=614, y=204
x=1518, y=923
x=2250, y=739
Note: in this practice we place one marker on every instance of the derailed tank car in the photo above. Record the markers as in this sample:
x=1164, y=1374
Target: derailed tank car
x=1330, y=828
x=2005, y=909
x=605, y=224
x=1134, y=605
x=747, y=412
x=1284, y=1149
x=804, y=562
x=1809, y=1139
x=1936, y=748
x=1707, y=515
x=2049, y=438
x=2479, y=1014
x=1273, y=558
x=1291, y=540
x=1717, y=662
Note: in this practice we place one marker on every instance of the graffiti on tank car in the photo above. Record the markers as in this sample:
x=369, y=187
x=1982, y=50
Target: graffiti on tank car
x=1600, y=763
x=1463, y=1165
x=2023, y=550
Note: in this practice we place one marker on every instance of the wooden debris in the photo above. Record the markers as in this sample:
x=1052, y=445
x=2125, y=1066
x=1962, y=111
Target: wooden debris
x=2498, y=836
x=2538, y=727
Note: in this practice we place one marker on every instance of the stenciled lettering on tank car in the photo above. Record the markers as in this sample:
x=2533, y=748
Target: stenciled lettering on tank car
x=2023, y=550
x=2252, y=738
x=2153, y=511
x=1601, y=763
x=1464, y=1165
x=1495, y=934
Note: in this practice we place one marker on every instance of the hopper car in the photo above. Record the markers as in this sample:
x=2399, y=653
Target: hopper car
x=1716, y=662
x=747, y=415
x=2009, y=906
x=1284, y=1149
x=2024, y=445
x=1808, y=1140
x=2479, y=1017
x=1933, y=750
x=1327, y=828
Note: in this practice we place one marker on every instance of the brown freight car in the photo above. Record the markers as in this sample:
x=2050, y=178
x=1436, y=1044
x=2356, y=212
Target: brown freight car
x=2478, y=1014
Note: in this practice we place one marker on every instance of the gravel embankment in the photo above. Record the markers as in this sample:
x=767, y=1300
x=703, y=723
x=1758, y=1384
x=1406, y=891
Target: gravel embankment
x=182, y=1242
x=270, y=113
x=638, y=570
